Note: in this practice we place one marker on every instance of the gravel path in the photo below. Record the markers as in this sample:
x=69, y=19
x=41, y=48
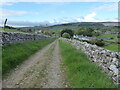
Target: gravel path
x=41, y=70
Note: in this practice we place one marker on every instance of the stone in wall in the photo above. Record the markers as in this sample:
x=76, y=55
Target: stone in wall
x=14, y=37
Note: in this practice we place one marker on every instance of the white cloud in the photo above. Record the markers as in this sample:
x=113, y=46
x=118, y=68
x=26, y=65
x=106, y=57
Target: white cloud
x=114, y=21
x=23, y=23
x=62, y=20
x=55, y=21
x=6, y=13
x=108, y=7
x=6, y=3
x=90, y=17
x=60, y=0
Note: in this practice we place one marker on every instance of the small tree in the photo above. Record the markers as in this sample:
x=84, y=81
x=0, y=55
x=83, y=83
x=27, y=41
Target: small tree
x=85, y=31
x=66, y=35
x=69, y=31
x=95, y=33
x=100, y=43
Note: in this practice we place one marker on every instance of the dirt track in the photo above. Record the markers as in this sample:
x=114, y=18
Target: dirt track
x=41, y=70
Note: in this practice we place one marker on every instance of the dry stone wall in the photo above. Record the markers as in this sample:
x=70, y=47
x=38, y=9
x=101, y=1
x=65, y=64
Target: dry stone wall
x=108, y=60
x=13, y=37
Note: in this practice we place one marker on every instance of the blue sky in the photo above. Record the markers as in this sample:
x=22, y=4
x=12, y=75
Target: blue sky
x=36, y=13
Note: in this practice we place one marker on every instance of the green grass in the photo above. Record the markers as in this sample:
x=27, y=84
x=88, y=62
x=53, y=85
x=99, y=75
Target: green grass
x=112, y=47
x=115, y=40
x=0, y=63
x=11, y=30
x=80, y=71
x=15, y=54
x=107, y=35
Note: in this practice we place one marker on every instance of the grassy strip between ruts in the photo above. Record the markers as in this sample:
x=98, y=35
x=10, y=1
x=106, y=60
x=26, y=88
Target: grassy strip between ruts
x=15, y=54
x=81, y=72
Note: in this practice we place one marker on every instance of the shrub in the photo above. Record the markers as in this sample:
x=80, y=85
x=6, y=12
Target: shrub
x=69, y=31
x=118, y=36
x=85, y=31
x=111, y=38
x=94, y=42
x=99, y=43
x=66, y=35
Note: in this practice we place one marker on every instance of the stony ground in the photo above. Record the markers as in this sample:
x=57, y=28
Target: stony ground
x=42, y=70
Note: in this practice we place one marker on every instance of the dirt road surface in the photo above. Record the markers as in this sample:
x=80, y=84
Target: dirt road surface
x=42, y=70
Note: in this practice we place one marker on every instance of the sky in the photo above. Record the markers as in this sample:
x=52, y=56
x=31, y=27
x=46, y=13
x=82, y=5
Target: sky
x=34, y=13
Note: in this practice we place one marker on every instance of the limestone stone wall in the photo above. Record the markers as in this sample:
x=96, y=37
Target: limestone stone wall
x=108, y=60
x=13, y=37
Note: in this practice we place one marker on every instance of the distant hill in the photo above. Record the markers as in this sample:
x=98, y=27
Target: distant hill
x=111, y=23
x=81, y=24
x=75, y=26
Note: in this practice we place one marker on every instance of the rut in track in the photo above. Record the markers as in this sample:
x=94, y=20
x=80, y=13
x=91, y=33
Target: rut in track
x=41, y=70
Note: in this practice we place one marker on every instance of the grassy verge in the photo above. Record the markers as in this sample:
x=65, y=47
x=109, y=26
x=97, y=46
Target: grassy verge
x=112, y=47
x=0, y=63
x=15, y=54
x=81, y=72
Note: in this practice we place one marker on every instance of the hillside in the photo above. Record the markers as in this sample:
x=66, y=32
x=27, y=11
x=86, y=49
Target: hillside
x=75, y=26
x=110, y=23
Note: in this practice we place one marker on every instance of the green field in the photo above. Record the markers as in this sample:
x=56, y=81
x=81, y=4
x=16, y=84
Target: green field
x=12, y=30
x=15, y=54
x=9, y=30
x=113, y=47
x=81, y=72
x=107, y=35
x=115, y=40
